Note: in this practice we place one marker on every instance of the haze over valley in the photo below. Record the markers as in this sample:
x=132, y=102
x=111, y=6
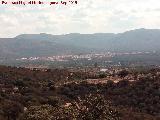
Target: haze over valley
x=47, y=47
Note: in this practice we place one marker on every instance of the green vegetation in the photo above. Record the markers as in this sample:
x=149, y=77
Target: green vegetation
x=63, y=95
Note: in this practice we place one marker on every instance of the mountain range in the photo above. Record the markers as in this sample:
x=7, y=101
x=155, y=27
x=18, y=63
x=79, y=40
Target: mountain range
x=43, y=44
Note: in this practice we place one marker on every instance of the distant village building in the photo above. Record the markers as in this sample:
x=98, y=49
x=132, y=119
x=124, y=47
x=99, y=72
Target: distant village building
x=103, y=70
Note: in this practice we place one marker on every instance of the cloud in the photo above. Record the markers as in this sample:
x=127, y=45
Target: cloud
x=89, y=16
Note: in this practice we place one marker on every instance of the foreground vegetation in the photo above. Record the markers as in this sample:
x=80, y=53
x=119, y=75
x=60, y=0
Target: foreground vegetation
x=63, y=95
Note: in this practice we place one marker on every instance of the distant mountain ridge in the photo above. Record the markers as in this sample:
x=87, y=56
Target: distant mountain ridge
x=46, y=44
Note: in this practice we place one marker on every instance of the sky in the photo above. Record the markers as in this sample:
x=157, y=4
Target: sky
x=88, y=16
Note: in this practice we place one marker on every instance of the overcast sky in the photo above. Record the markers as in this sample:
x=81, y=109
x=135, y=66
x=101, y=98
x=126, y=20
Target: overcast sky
x=89, y=16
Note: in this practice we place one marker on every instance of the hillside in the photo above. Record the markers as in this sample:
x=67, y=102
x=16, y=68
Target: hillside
x=75, y=43
x=64, y=95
